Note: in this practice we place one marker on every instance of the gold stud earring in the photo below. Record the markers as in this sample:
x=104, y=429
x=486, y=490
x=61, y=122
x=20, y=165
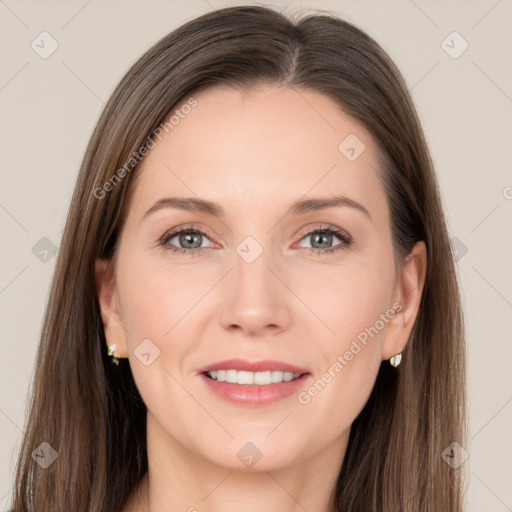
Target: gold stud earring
x=111, y=349
x=395, y=360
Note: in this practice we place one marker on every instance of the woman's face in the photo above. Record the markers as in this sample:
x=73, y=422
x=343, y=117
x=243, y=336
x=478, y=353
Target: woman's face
x=263, y=285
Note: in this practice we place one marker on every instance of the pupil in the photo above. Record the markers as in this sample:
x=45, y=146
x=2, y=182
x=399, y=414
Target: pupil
x=188, y=238
x=324, y=235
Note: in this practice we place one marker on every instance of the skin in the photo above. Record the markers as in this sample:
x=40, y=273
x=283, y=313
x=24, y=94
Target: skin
x=254, y=153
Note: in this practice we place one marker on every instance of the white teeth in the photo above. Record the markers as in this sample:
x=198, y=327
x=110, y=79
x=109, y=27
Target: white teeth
x=243, y=377
x=263, y=378
x=232, y=376
x=252, y=378
x=277, y=376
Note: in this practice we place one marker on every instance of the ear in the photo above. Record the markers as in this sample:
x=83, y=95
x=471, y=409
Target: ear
x=408, y=294
x=115, y=332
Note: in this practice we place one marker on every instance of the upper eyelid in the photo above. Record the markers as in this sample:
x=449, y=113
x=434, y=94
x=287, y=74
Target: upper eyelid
x=326, y=227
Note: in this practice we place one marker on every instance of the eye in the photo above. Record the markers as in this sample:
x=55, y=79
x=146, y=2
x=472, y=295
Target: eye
x=322, y=239
x=189, y=237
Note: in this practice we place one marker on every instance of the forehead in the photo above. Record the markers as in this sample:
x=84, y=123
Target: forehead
x=258, y=147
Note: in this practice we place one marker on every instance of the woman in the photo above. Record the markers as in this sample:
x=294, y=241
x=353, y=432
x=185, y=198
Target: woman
x=252, y=369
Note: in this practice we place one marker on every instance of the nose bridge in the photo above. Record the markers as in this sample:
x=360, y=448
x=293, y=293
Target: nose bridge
x=255, y=298
x=251, y=272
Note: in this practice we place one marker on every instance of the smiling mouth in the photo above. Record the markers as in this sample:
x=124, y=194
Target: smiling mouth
x=243, y=377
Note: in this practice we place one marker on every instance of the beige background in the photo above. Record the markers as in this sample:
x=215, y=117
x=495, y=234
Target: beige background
x=49, y=107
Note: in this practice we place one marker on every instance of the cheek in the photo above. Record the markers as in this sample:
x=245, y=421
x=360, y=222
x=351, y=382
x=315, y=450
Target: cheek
x=355, y=308
x=157, y=304
x=347, y=300
x=156, y=298
x=161, y=303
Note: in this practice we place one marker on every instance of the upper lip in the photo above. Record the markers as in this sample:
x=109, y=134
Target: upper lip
x=253, y=366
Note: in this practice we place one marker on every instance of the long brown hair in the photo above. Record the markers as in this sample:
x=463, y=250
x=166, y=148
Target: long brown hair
x=90, y=412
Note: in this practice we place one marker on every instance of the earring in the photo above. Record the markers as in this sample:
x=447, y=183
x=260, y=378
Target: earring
x=115, y=359
x=395, y=360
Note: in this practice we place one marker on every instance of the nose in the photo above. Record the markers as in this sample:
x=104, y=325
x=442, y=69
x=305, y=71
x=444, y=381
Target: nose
x=257, y=300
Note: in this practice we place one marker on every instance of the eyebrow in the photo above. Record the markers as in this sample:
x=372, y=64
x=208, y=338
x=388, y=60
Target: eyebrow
x=299, y=207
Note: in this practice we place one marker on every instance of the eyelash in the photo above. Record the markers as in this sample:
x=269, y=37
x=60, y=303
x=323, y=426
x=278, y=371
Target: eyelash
x=346, y=239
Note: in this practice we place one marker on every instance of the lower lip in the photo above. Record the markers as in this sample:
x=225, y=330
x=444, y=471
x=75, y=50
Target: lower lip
x=245, y=394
